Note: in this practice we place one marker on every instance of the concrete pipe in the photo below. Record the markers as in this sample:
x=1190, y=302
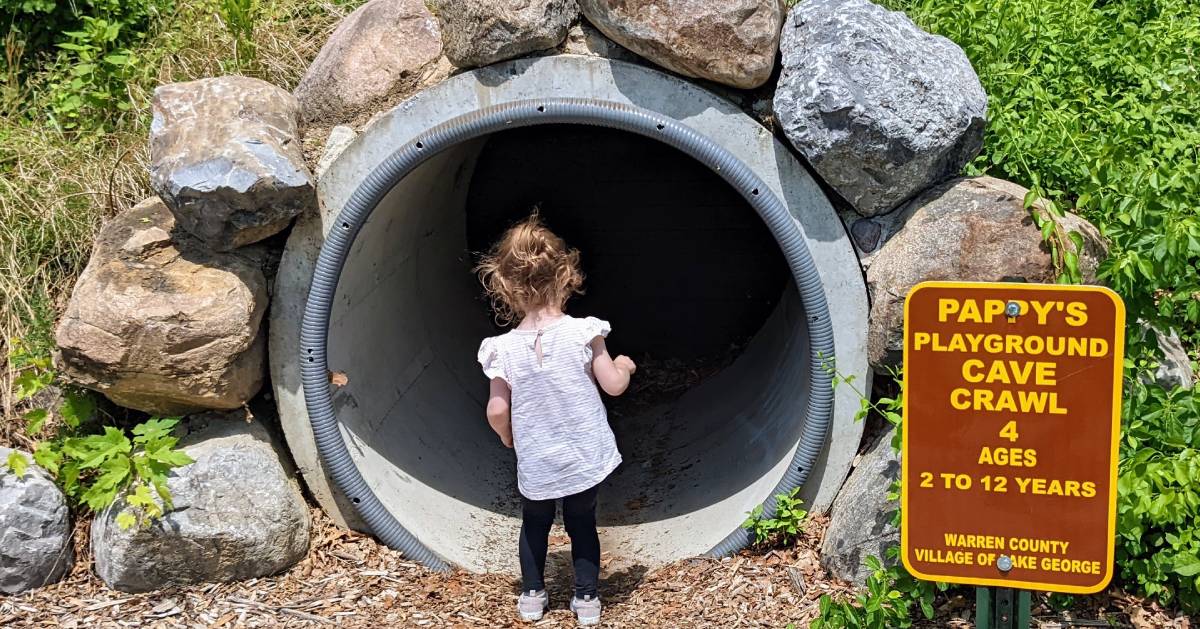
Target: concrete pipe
x=683, y=253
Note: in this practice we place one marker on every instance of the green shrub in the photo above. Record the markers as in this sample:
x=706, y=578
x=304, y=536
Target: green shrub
x=78, y=55
x=94, y=468
x=783, y=526
x=1096, y=106
x=1158, y=494
x=40, y=24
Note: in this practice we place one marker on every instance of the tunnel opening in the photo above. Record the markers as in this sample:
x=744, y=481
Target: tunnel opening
x=692, y=280
x=375, y=323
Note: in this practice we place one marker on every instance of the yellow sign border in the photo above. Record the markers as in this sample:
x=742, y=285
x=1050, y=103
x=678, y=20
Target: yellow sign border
x=1115, y=439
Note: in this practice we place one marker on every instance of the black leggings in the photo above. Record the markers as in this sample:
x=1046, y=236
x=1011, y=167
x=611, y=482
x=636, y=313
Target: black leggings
x=579, y=518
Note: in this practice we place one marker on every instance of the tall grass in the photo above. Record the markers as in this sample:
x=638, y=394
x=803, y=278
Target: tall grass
x=57, y=187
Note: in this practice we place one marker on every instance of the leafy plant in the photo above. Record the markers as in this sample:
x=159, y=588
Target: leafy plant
x=94, y=469
x=1158, y=493
x=784, y=524
x=92, y=74
x=887, y=602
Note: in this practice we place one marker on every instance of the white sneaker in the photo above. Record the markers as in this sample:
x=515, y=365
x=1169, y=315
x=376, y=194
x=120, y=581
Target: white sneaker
x=532, y=605
x=587, y=610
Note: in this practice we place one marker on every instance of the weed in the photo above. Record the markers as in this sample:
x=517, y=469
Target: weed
x=93, y=468
x=782, y=523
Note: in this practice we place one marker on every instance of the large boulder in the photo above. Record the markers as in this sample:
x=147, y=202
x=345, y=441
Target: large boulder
x=160, y=323
x=728, y=41
x=238, y=514
x=881, y=109
x=971, y=229
x=860, y=521
x=480, y=32
x=384, y=49
x=225, y=157
x=35, y=528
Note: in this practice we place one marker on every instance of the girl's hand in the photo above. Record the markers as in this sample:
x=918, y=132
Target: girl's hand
x=611, y=374
x=508, y=443
x=625, y=363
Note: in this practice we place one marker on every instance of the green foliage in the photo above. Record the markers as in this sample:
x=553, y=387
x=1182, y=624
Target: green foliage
x=240, y=17
x=783, y=526
x=1158, y=494
x=1095, y=106
x=85, y=47
x=887, y=602
x=39, y=24
x=95, y=468
x=90, y=77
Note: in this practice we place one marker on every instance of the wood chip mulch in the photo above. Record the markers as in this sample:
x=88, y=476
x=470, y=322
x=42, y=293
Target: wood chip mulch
x=349, y=580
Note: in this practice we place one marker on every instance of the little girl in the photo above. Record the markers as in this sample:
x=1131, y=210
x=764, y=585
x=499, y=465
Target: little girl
x=544, y=403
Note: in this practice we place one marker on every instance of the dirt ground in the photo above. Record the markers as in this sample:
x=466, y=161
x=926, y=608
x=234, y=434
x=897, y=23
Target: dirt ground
x=348, y=580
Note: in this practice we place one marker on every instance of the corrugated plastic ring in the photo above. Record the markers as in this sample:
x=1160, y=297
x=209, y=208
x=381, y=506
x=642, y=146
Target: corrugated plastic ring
x=315, y=327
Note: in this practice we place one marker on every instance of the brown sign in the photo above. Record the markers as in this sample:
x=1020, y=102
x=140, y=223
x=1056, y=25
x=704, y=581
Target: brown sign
x=1011, y=428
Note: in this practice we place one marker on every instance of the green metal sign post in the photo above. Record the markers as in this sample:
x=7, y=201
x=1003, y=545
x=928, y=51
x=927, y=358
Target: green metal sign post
x=1002, y=608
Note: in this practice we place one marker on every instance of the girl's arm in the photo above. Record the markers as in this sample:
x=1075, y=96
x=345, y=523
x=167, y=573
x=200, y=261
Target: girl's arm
x=498, y=411
x=611, y=373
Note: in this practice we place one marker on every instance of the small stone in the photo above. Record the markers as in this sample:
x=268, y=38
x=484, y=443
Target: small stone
x=880, y=108
x=728, y=41
x=339, y=138
x=584, y=39
x=238, y=514
x=481, y=32
x=971, y=229
x=224, y=156
x=860, y=521
x=867, y=234
x=35, y=528
x=384, y=49
x=160, y=323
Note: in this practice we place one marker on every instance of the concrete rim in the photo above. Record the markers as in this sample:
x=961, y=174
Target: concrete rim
x=846, y=309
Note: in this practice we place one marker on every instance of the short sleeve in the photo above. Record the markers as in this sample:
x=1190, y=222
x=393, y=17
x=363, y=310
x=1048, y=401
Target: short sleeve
x=490, y=359
x=593, y=327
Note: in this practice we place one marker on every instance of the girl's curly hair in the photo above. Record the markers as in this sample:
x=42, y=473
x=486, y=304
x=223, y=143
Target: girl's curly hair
x=530, y=267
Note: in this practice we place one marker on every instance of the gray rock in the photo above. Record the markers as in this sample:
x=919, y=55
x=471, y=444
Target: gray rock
x=159, y=323
x=480, y=32
x=237, y=514
x=860, y=520
x=1174, y=366
x=728, y=41
x=881, y=109
x=35, y=528
x=967, y=229
x=384, y=49
x=224, y=156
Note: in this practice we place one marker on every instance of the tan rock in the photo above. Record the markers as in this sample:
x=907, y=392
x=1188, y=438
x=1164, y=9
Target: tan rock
x=728, y=41
x=383, y=49
x=159, y=323
x=971, y=229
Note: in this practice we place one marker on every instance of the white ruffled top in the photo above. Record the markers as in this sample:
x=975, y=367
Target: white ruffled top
x=561, y=434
